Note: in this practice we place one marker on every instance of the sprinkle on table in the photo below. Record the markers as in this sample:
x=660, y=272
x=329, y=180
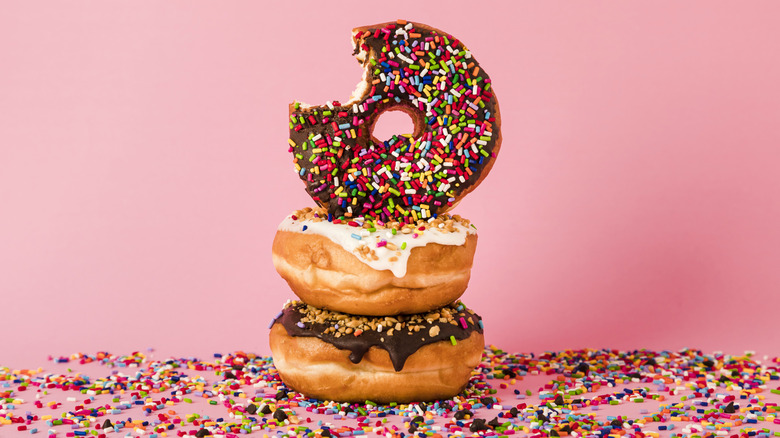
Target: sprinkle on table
x=683, y=394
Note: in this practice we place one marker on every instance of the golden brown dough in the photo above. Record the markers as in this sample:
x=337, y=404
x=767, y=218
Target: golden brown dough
x=320, y=370
x=325, y=275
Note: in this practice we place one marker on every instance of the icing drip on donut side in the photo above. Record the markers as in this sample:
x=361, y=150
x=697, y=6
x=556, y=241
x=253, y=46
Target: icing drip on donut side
x=400, y=335
x=382, y=249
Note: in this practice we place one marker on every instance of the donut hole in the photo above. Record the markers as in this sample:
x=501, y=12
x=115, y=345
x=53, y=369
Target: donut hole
x=394, y=121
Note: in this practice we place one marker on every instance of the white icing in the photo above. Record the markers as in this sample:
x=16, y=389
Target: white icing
x=342, y=234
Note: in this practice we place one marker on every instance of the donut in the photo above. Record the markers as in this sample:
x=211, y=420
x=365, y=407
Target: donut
x=342, y=357
x=428, y=74
x=368, y=267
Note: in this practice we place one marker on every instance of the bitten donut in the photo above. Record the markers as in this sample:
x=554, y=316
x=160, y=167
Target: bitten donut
x=431, y=76
x=372, y=268
x=336, y=356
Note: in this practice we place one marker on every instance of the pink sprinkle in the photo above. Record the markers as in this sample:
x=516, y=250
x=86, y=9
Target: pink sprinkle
x=463, y=323
x=381, y=244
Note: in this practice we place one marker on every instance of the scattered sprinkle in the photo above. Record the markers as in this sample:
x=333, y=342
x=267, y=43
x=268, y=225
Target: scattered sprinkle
x=685, y=393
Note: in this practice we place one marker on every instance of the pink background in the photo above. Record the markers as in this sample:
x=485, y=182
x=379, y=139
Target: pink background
x=144, y=169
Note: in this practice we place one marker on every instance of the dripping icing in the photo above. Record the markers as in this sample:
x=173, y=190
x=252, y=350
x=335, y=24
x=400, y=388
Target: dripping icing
x=344, y=236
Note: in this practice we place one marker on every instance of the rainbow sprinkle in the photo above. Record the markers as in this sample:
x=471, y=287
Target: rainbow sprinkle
x=582, y=393
x=429, y=75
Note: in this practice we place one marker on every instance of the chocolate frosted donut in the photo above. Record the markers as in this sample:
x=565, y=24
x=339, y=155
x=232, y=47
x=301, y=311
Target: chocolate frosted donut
x=427, y=74
x=346, y=357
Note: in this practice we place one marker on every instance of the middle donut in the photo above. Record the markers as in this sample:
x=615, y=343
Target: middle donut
x=368, y=267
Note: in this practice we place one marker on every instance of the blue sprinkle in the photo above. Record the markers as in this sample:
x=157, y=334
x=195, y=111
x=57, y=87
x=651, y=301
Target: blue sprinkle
x=305, y=227
x=355, y=236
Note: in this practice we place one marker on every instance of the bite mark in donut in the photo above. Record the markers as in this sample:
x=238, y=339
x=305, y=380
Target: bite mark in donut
x=431, y=76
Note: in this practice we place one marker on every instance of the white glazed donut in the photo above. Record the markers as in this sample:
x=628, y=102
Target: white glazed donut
x=370, y=269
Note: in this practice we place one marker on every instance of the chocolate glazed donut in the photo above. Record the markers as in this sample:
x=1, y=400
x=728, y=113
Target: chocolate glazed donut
x=427, y=74
x=342, y=357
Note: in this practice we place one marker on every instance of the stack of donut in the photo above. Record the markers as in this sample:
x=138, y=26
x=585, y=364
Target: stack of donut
x=379, y=265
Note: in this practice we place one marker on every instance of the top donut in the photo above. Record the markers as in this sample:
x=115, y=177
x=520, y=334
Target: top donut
x=433, y=77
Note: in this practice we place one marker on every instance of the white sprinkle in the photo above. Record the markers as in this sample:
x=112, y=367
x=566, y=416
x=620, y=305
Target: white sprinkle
x=405, y=58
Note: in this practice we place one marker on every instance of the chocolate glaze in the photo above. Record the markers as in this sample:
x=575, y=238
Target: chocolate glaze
x=310, y=121
x=400, y=345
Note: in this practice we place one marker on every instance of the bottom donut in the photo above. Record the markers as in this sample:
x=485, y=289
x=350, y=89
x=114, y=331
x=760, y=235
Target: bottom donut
x=336, y=356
